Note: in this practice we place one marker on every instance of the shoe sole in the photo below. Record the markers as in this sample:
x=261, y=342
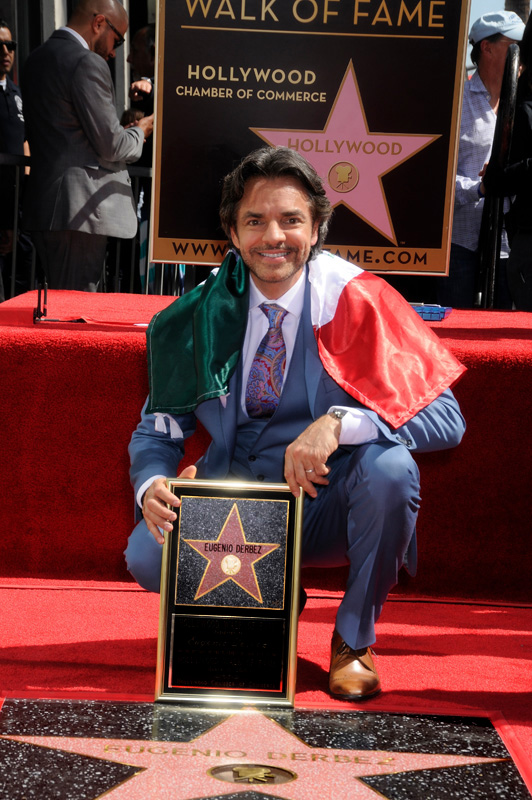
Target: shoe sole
x=357, y=697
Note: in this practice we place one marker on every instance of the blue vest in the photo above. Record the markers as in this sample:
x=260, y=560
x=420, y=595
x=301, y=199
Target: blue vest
x=261, y=443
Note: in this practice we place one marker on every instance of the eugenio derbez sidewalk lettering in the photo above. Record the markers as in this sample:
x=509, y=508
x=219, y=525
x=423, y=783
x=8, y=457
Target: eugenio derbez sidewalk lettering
x=350, y=84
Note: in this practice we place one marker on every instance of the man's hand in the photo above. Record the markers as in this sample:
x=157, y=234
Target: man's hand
x=146, y=124
x=138, y=89
x=481, y=174
x=305, y=461
x=154, y=508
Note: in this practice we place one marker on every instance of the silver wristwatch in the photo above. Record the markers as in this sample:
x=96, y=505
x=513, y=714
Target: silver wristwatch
x=337, y=413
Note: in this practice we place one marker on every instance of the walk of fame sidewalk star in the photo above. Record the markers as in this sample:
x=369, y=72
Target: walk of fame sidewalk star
x=180, y=770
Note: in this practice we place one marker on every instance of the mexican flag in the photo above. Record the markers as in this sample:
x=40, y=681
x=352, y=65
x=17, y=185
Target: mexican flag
x=370, y=341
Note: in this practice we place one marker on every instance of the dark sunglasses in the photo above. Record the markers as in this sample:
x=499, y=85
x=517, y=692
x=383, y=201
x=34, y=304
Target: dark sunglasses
x=10, y=46
x=118, y=42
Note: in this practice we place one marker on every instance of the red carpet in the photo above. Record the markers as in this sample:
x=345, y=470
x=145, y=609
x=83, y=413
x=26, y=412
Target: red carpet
x=100, y=642
x=83, y=312
x=71, y=395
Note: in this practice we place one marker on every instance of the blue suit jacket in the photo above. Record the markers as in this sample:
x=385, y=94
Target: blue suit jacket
x=439, y=426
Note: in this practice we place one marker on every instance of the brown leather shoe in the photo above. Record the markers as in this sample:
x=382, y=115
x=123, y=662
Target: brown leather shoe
x=352, y=674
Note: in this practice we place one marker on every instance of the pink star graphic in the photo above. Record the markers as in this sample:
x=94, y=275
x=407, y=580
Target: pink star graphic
x=184, y=770
x=350, y=159
x=231, y=558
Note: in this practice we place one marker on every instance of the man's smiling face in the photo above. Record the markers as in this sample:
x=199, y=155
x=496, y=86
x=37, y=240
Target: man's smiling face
x=274, y=232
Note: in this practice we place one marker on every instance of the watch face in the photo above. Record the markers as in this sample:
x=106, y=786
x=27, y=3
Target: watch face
x=337, y=413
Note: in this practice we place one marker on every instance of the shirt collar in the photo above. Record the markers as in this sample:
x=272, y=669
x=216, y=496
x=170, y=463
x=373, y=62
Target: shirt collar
x=76, y=35
x=476, y=84
x=292, y=300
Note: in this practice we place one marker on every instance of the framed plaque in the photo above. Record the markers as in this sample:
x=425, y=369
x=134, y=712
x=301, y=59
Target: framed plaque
x=230, y=594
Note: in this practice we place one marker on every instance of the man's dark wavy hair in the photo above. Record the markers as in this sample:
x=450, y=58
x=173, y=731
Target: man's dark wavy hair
x=274, y=162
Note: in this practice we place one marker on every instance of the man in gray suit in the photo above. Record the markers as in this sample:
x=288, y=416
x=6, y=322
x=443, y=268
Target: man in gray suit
x=79, y=190
x=357, y=383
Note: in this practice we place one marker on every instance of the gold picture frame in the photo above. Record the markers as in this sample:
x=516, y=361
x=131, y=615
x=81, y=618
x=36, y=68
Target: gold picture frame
x=230, y=583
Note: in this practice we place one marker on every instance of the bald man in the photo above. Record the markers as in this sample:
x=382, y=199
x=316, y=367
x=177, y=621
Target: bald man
x=79, y=190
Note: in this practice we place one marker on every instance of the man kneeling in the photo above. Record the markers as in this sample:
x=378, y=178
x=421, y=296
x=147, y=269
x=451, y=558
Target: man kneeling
x=303, y=368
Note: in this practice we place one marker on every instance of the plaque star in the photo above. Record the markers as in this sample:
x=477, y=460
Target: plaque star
x=231, y=557
x=187, y=770
x=350, y=159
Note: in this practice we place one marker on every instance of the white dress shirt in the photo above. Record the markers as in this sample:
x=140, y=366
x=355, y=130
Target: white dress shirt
x=357, y=427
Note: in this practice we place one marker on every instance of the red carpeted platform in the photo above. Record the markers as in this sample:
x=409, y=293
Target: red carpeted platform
x=72, y=393
x=83, y=311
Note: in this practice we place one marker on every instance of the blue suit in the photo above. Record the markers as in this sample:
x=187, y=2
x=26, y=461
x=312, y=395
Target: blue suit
x=365, y=517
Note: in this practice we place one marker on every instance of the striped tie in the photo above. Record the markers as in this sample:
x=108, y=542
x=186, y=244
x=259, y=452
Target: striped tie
x=266, y=374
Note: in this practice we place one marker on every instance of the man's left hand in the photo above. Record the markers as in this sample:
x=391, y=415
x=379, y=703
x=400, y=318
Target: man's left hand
x=146, y=123
x=305, y=461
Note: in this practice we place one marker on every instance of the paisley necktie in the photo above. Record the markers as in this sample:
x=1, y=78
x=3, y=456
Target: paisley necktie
x=266, y=374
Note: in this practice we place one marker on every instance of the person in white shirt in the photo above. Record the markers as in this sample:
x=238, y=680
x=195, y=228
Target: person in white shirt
x=490, y=36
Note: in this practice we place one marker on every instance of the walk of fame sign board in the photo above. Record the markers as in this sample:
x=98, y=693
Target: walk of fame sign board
x=369, y=91
x=230, y=594
x=134, y=751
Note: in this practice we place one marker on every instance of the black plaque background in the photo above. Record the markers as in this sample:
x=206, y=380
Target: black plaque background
x=229, y=653
x=255, y=641
x=409, y=81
